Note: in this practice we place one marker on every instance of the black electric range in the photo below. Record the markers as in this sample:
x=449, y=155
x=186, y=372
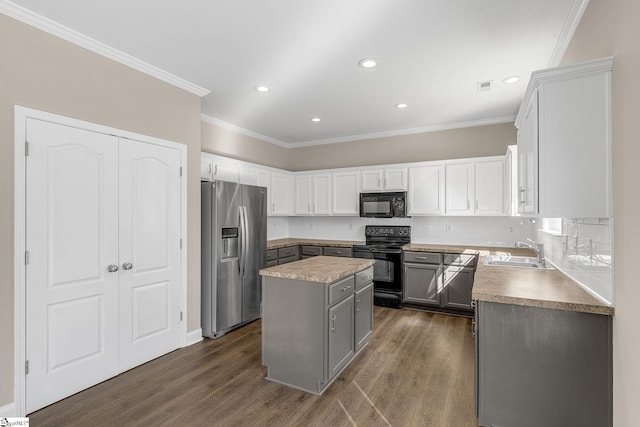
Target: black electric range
x=384, y=245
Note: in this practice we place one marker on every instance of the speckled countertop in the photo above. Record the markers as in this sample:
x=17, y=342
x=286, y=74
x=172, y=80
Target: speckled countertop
x=507, y=285
x=292, y=241
x=322, y=269
x=534, y=288
x=454, y=249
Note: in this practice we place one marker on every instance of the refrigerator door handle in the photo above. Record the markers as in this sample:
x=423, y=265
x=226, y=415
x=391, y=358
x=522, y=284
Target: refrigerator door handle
x=241, y=252
x=245, y=249
x=244, y=240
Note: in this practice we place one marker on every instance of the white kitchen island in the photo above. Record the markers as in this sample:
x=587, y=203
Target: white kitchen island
x=317, y=315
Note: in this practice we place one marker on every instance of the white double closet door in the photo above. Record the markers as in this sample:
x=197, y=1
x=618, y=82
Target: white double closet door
x=103, y=276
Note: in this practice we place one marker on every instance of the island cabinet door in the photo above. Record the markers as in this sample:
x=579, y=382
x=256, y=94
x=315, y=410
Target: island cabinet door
x=364, y=315
x=341, y=335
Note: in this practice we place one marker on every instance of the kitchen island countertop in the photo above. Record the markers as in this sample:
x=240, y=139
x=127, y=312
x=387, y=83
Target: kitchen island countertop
x=322, y=269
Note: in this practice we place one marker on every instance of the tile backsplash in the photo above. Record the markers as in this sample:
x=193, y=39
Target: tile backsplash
x=481, y=231
x=584, y=251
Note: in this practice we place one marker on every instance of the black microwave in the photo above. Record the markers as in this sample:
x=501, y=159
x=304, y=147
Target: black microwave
x=383, y=205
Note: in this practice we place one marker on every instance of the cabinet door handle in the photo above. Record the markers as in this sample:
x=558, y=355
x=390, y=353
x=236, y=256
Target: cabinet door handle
x=127, y=266
x=333, y=320
x=476, y=204
x=357, y=304
x=112, y=268
x=273, y=207
x=468, y=205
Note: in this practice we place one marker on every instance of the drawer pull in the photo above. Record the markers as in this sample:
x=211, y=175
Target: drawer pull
x=421, y=257
x=346, y=288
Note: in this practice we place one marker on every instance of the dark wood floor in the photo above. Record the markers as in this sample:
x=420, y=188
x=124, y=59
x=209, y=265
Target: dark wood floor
x=417, y=370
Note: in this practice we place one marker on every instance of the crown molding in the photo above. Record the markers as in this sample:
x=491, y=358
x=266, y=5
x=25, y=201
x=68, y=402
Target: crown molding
x=243, y=131
x=568, y=29
x=423, y=129
x=45, y=24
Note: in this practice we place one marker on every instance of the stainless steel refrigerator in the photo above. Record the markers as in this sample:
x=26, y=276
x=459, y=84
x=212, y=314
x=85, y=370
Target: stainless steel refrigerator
x=234, y=247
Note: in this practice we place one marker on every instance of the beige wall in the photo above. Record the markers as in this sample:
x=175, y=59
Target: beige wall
x=610, y=27
x=46, y=73
x=448, y=144
x=225, y=142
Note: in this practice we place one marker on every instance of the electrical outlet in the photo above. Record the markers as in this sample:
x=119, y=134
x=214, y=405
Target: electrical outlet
x=511, y=228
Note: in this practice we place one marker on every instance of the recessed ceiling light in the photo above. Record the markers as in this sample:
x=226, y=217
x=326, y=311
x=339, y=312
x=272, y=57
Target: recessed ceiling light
x=401, y=106
x=262, y=89
x=367, y=63
x=511, y=80
x=315, y=119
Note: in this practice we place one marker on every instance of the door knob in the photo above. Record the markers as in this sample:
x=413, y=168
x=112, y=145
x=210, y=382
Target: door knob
x=127, y=266
x=112, y=268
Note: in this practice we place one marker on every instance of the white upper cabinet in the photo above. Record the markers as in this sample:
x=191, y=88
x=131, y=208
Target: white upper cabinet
x=346, y=193
x=206, y=168
x=459, y=188
x=489, y=185
x=571, y=131
x=528, y=158
x=475, y=186
x=218, y=168
x=281, y=194
x=253, y=176
x=388, y=179
x=313, y=194
x=426, y=190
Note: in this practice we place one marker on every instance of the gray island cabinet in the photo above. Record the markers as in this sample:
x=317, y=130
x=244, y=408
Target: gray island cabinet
x=317, y=314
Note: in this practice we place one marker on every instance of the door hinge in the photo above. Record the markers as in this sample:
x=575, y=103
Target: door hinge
x=180, y=170
x=26, y=257
x=181, y=316
x=26, y=367
x=26, y=148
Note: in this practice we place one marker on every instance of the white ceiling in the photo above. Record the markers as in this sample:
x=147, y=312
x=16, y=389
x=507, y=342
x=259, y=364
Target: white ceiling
x=431, y=55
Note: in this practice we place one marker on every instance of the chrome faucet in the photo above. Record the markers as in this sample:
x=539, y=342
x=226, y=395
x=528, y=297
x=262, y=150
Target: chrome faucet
x=538, y=248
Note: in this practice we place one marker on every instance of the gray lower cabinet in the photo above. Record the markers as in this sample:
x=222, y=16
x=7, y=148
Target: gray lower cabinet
x=334, y=251
x=457, y=284
x=422, y=283
x=441, y=281
x=542, y=367
x=341, y=335
x=272, y=258
x=363, y=315
x=311, y=330
x=309, y=251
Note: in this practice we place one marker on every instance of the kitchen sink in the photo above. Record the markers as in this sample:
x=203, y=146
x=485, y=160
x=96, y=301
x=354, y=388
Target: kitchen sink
x=515, y=261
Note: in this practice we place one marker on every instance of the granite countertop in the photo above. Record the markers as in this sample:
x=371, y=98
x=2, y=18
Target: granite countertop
x=479, y=250
x=292, y=241
x=322, y=269
x=507, y=285
x=534, y=288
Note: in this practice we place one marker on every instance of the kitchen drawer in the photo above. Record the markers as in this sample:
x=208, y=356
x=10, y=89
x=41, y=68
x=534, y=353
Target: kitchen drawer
x=363, y=277
x=422, y=257
x=271, y=263
x=312, y=250
x=288, y=252
x=333, y=251
x=341, y=289
x=284, y=260
x=272, y=255
x=465, y=260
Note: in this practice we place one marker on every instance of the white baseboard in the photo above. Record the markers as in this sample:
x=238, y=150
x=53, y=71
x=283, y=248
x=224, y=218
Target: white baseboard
x=8, y=411
x=194, y=337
